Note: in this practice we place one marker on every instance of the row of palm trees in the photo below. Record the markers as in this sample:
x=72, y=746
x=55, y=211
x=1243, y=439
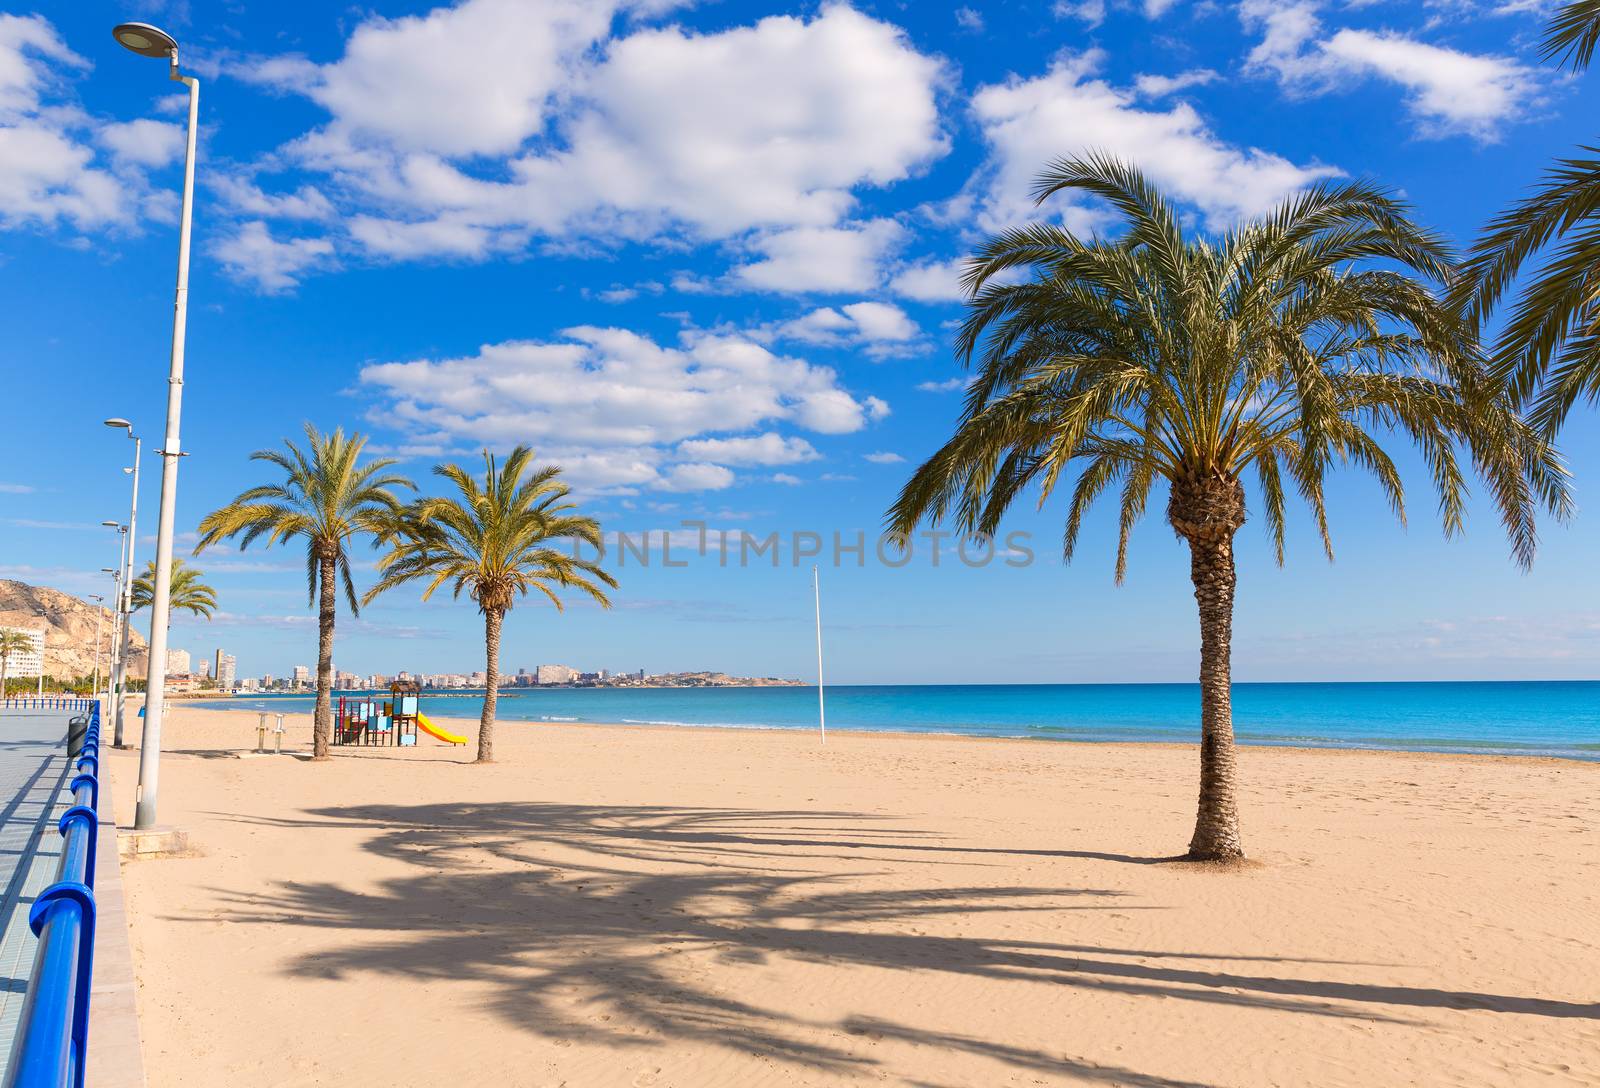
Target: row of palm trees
x=1291, y=344
x=496, y=538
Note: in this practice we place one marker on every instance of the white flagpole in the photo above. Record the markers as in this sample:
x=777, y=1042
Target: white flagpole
x=822, y=720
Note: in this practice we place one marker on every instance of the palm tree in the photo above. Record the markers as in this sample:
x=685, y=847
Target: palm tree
x=186, y=592
x=12, y=642
x=1276, y=349
x=496, y=539
x=327, y=497
x=1550, y=346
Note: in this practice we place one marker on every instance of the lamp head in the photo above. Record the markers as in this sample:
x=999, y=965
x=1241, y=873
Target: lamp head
x=111, y=571
x=121, y=424
x=145, y=40
x=112, y=524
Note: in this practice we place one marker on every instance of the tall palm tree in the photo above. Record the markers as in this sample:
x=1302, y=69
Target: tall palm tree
x=1287, y=346
x=1550, y=346
x=186, y=591
x=327, y=497
x=496, y=539
x=12, y=642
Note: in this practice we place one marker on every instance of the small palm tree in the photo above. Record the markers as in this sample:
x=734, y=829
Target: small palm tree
x=12, y=642
x=1275, y=350
x=328, y=496
x=1550, y=346
x=496, y=539
x=186, y=591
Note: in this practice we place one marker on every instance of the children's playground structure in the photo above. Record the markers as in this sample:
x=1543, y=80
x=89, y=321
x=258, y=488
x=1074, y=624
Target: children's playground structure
x=365, y=720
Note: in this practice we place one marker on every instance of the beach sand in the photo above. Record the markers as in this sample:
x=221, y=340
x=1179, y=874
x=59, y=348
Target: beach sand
x=697, y=908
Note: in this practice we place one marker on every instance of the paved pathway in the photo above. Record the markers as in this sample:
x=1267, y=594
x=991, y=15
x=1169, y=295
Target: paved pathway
x=33, y=795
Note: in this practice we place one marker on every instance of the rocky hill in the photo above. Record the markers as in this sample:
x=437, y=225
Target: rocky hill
x=68, y=624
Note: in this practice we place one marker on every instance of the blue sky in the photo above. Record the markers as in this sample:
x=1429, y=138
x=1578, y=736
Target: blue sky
x=703, y=256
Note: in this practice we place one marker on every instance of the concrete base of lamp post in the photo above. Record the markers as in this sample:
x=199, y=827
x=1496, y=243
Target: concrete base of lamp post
x=151, y=842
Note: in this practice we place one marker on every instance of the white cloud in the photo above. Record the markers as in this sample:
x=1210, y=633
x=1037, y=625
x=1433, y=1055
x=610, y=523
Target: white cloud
x=930, y=281
x=244, y=196
x=830, y=259
x=881, y=329
x=1030, y=122
x=969, y=19
x=610, y=405
x=51, y=173
x=1154, y=86
x=1449, y=92
x=1091, y=12
x=16, y=489
x=144, y=142
x=253, y=255
x=695, y=477
x=785, y=479
x=883, y=457
x=762, y=449
x=949, y=385
x=487, y=125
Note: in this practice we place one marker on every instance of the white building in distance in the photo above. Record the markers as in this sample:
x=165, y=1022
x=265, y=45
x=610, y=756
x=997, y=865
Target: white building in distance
x=554, y=674
x=26, y=662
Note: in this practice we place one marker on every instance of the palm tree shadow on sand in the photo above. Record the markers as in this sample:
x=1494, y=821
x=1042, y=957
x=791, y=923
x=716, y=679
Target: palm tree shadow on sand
x=578, y=942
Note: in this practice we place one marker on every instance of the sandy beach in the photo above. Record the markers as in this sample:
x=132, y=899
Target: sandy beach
x=694, y=908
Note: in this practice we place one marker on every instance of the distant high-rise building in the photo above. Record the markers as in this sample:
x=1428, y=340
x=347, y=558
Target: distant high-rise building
x=223, y=669
x=204, y=671
x=300, y=675
x=377, y=681
x=26, y=662
x=178, y=661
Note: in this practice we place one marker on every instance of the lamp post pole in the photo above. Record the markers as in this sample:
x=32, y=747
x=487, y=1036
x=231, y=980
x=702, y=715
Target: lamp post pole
x=149, y=41
x=126, y=602
x=99, y=618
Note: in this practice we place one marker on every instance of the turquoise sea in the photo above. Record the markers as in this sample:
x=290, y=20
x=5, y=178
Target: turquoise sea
x=1549, y=718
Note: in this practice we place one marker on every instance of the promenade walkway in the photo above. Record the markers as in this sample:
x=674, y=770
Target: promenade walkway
x=33, y=795
x=34, y=777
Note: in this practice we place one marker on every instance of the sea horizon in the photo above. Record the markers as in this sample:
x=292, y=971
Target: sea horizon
x=1555, y=718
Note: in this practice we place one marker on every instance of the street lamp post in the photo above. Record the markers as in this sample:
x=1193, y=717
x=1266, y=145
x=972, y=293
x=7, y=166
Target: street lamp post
x=119, y=622
x=148, y=41
x=125, y=601
x=99, y=618
x=116, y=623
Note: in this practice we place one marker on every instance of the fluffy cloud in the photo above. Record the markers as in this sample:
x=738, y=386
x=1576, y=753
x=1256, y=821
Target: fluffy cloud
x=144, y=142
x=1153, y=86
x=481, y=127
x=53, y=157
x=1448, y=92
x=1066, y=111
x=884, y=457
x=831, y=259
x=880, y=329
x=251, y=253
x=763, y=449
x=617, y=409
x=930, y=281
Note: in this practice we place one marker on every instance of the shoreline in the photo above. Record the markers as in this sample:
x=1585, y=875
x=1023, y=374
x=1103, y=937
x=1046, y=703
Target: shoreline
x=468, y=727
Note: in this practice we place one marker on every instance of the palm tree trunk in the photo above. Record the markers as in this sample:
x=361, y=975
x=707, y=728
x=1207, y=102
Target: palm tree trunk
x=1207, y=511
x=491, y=645
x=322, y=721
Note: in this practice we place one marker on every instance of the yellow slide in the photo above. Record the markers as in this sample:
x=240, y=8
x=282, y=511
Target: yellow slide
x=438, y=734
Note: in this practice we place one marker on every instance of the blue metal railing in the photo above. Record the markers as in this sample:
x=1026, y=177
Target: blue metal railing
x=51, y=702
x=53, y=1032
